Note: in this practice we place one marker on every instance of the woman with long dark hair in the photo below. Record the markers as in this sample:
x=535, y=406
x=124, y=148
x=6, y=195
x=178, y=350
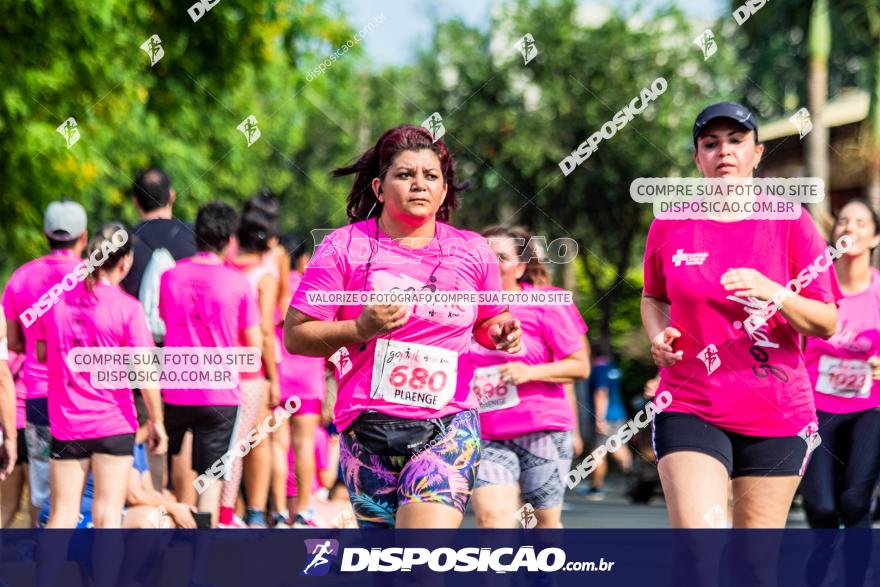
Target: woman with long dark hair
x=410, y=439
x=526, y=418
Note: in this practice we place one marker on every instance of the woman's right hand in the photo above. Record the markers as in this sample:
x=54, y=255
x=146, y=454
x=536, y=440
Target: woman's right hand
x=377, y=319
x=157, y=438
x=661, y=348
x=182, y=515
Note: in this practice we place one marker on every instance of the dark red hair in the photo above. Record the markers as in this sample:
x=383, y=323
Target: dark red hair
x=376, y=160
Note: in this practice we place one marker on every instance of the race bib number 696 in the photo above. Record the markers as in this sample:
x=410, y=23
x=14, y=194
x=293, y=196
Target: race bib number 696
x=414, y=374
x=492, y=392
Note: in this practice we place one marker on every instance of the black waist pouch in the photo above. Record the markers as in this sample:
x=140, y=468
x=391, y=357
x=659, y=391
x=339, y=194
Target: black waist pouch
x=387, y=436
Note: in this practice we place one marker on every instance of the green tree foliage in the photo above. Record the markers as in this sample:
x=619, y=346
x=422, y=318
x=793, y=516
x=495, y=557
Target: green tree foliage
x=243, y=57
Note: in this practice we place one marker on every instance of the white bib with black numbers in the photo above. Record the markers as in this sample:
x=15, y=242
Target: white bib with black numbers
x=493, y=393
x=844, y=378
x=414, y=374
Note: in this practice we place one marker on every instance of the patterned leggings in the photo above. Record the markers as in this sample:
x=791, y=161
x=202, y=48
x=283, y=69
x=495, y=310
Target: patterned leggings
x=444, y=472
x=252, y=393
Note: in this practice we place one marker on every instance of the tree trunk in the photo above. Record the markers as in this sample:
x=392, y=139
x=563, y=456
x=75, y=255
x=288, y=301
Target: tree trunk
x=872, y=133
x=568, y=283
x=817, y=96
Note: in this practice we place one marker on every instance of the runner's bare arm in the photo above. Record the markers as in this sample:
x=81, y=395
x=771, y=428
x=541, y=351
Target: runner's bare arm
x=7, y=408
x=655, y=319
x=810, y=317
x=254, y=336
x=158, y=438
x=304, y=335
x=7, y=419
x=268, y=296
x=577, y=439
x=14, y=336
x=565, y=370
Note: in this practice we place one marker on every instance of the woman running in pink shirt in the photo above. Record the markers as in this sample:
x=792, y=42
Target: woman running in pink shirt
x=742, y=403
x=526, y=418
x=410, y=438
x=839, y=483
x=94, y=428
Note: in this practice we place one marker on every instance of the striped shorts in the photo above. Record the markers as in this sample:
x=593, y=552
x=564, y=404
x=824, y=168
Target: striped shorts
x=537, y=462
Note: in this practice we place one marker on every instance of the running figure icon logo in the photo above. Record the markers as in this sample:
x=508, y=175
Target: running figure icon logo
x=249, y=128
x=526, y=516
x=527, y=47
x=69, y=131
x=342, y=360
x=706, y=42
x=810, y=434
x=153, y=48
x=434, y=124
x=344, y=519
x=319, y=554
x=716, y=517
x=710, y=358
x=801, y=121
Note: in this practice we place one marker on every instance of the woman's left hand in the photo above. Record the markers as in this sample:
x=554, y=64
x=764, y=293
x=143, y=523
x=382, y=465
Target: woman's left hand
x=875, y=367
x=749, y=283
x=516, y=373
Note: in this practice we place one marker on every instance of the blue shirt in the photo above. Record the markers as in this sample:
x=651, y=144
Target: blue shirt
x=605, y=374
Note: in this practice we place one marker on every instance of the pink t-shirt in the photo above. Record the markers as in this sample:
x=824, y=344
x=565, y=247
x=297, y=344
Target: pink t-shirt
x=857, y=339
x=105, y=317
x=322, y=461
x=299, y=375
x=205, y=304
x=27, y=284
x=550, y=333
x=754, y=384
x=466, y=263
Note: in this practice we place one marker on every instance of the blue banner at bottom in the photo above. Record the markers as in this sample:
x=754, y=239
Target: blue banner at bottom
x=458, y=558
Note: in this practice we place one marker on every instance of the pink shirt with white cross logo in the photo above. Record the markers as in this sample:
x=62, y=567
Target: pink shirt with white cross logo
x=753, y=383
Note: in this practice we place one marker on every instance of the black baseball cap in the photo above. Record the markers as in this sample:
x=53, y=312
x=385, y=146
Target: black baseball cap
x=732, y=110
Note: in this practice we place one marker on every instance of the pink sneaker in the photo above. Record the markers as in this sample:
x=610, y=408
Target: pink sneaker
x=237, y=523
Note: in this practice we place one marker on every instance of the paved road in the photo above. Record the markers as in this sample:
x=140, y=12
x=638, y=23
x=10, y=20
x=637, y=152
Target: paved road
x=616, y=511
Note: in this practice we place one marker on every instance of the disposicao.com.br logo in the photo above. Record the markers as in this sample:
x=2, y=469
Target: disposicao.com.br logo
x=441, y=560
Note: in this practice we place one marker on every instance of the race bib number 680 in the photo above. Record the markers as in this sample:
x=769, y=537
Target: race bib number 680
x=414, y=374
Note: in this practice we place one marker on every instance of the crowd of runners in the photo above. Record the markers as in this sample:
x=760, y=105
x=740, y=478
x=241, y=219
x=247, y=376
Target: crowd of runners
x=405, y=414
